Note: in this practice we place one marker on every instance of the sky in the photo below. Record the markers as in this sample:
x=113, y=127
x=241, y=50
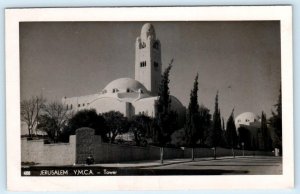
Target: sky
x=240, y=59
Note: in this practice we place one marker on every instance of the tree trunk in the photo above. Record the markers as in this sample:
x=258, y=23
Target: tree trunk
x=161, y=155
x=29, y=132
x=113, y=137
x=215, y=153
x=193, y=156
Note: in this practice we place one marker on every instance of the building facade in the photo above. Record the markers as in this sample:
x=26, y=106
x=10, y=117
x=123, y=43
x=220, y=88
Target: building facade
x=132, y=96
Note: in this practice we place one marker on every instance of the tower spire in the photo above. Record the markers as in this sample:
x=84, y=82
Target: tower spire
x=148, y=59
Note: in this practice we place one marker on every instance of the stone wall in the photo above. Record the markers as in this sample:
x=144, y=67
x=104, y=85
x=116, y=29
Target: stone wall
x=56, y=154
x=85, y=143
x=105, y=152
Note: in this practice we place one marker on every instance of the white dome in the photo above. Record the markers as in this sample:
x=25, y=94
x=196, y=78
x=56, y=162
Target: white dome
x=124, y=85
x=147, y=30
x=245, y=119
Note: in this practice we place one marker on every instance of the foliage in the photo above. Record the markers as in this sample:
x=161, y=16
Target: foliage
x=178, y=138
x=30, y=112
x=140, y=126
x=192, y=125
x=276, y=122
x=166, y=120
x=245, y=138
x=231, y=135
x=86, y=118
x=216, y=134
x=267, y=140
x=205, y=123
x=48, y=125
x=116, y=124
x=54, y=120
x=164, y=100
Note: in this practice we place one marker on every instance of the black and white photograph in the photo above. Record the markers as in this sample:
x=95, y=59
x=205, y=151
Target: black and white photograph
x=147, y=98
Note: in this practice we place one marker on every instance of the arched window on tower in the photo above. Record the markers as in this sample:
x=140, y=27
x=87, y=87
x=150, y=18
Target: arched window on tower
x=142, y=45
x=155, y=45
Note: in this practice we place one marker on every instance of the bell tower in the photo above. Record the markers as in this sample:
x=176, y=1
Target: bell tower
x=148, y=59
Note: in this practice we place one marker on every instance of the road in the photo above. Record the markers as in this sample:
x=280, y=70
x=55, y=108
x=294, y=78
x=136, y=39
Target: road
x=241, y=165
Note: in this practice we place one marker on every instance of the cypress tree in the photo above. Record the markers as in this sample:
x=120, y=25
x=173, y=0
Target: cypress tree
x=265, y=132
x=231, y=135
x=192, y=117
x=165, y=118
x=216, y=134
x=276, y=123
x=205, y=124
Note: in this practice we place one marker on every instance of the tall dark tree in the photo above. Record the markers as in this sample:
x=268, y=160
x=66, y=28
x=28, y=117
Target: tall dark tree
x=223, y=124
x=267, y=141
x=216, y=134
x=276, y=123
x=165, y=118
x=192, y=125
x=231, y=135
x=205, y=123
x=86, y=118
x=116, y=124
x=224, y=140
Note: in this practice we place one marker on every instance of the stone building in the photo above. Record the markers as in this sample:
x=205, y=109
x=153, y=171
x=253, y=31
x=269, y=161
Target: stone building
x=132, y=96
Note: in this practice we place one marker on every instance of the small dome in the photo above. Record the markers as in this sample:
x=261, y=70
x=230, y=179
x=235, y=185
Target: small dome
x=147, y=30
x=124, y=85
x=245, y=119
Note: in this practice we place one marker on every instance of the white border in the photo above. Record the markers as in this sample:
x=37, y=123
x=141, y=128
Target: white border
x=15, y=182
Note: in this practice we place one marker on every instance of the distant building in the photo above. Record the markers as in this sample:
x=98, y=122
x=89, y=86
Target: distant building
x=246, y=118
x=248, y=127
x=132, y=96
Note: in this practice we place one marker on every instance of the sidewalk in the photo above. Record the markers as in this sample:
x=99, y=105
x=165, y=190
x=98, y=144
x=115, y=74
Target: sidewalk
x=146, y=163
x=155, y=163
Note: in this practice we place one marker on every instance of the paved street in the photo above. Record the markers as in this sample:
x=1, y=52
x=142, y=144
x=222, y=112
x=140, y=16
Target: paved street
x=240, y=165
